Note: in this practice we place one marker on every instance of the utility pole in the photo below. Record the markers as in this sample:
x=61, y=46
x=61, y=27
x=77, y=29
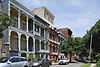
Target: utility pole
x=90, y=51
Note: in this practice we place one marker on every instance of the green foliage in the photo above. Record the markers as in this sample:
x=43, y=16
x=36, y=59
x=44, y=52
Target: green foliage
x=95, y=31
x=85, y=65
x=97, y=57
x=98, y=64
x=71, y=44
x=5, y=21
x=64, y=46
x=77, y=42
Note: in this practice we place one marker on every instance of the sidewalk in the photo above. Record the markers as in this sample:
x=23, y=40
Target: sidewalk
x=93, y=65
x=55, y=63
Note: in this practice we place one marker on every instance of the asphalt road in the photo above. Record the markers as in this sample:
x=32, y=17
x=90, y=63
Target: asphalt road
x=68, y=65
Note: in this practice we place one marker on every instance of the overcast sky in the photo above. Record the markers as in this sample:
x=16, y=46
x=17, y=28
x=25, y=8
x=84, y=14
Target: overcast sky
x=78, y=15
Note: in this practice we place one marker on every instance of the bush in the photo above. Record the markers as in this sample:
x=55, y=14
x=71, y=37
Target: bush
x=98, y=63
x=98, y=58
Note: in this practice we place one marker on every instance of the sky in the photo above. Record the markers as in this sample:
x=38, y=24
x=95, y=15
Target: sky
x=78, y=15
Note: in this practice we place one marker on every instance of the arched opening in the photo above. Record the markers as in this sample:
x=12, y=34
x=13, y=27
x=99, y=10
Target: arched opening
x=14, y=41
x=23, y=43
x=30, y=44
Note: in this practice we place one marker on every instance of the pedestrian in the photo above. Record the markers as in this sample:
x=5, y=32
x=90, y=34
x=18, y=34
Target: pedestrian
x=30, y=62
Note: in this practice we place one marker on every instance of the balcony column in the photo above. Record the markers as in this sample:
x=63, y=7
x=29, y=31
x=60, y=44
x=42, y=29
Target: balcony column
x=9, y=34
x=40, y=30
x=19, y=14
x=27, y=43
x=33, y=44
x=46, y=39
x=27, y=46
x=33, y=27
x=9, y=8
x=45, y=34
x=40, y=45
x=19, y=45
x=27, y=23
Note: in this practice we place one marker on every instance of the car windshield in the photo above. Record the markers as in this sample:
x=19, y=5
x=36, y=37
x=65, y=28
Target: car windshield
x=3, y=59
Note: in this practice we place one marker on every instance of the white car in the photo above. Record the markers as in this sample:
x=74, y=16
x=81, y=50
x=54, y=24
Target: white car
x=14, y=61
x=63, y=61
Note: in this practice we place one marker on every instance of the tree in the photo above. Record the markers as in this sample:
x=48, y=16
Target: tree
x=77, y=43
x=73, y=45
x=66, y=47
x=5, y=21
x=95, y=32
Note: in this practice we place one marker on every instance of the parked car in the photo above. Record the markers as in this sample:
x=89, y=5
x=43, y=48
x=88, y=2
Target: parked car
x=41, y=63
x=37, y=63
x=14, y=61
x=63, y=61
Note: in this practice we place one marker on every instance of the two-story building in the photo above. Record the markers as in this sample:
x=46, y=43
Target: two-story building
x=28, y=34
x=32, y=34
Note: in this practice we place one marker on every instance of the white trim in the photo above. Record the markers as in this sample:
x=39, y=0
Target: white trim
x=9, y=8
x=19, y=14
x=22, y=9
x=27, y=23
x=27, y=37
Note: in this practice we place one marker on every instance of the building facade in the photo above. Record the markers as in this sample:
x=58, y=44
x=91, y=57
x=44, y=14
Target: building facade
x=32, y=34
x=45, y=14
x=53, y=41
x=53, y=44
x=66, y=32
x=27, y=36
x=41, y=37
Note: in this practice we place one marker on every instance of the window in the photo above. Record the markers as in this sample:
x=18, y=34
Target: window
x=30, y=25
x=3, y=60
x=37, y=45
x=36, y=28
x=22, y=59
x=14, y=60
x=42, y=45
x=42, y=32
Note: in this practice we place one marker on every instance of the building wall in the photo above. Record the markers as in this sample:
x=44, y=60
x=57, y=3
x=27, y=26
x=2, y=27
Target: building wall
x=38, y=11
x=53, y=45
x=45, y=13
x=4, y=6
x=41, y=37
x=20, y=38
x=67, y=32
x=12, y=40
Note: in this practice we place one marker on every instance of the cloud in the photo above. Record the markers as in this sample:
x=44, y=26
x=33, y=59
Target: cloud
x=79, y=15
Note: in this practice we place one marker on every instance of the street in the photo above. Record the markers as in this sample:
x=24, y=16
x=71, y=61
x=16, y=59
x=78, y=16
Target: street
x=68, y=65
